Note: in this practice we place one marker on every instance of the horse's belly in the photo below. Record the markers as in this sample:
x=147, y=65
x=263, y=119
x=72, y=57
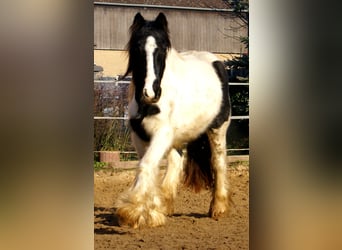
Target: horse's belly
x=185, y=128
x=192, y=126
x=192, y=119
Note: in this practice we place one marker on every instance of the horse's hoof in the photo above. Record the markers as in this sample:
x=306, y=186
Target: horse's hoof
x=138, y=214
x=170, y=209
x=218, y=209
x=138, y=219
x=215, y=214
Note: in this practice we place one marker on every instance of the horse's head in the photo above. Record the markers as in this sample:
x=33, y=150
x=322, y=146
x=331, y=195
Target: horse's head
x=147, y=48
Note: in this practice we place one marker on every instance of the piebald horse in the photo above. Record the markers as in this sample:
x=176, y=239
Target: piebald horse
x=179, y=108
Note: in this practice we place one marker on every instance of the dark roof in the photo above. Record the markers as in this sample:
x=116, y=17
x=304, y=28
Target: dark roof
x=216, y=4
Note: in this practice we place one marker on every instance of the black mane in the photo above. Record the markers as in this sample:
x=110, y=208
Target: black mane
x=139, y=31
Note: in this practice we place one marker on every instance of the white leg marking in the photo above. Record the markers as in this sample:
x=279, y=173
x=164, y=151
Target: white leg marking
x=220, y=201
x=172, y=178
x=142, y=204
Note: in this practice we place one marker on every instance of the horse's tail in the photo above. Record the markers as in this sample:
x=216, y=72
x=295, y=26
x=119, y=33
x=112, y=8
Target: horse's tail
x=198, y=168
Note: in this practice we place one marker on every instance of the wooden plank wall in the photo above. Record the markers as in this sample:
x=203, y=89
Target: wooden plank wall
x=189, y=29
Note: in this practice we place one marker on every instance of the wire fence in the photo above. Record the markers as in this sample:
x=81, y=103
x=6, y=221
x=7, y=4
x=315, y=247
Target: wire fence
x=111, y=132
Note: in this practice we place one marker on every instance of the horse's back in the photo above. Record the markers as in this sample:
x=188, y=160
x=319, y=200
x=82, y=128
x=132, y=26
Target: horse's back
x=201, y=67
x=199, y=55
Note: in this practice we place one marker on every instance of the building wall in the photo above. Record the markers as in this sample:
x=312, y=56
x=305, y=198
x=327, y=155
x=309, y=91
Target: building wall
x=217, y=32
x=114, y=62
x=190, y=29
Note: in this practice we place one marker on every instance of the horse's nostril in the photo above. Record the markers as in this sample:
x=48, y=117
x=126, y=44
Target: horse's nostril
x=145, y=93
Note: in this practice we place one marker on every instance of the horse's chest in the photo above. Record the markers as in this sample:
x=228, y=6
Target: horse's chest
x=185, y=120
x=143, y=120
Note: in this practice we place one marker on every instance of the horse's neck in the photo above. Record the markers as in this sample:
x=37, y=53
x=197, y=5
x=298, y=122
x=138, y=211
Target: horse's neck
x=179, y=60
x=174, y=57
x=174, y=61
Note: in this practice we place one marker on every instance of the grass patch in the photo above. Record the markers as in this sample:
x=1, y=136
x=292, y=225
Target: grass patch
x=235, y=164
x=100, y=165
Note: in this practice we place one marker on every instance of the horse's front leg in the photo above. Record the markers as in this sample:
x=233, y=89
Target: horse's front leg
x=143, y=204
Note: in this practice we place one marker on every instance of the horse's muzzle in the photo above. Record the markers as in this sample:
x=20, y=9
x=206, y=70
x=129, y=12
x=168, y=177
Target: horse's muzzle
x=148, y=99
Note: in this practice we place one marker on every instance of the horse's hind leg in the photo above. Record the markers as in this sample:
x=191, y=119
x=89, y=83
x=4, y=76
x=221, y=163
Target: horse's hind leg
x=172, y=178
x=220, y=201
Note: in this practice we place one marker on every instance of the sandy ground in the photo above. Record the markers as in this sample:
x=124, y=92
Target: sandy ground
x=189, y=228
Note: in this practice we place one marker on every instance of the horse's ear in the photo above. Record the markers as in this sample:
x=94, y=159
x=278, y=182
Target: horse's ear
x=161, y=21
x=138, y=20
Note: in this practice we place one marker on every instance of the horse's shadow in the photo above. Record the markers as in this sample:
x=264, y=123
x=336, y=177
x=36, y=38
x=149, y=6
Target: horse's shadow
x=107, y=231
x=107, y=220
x=193, y=215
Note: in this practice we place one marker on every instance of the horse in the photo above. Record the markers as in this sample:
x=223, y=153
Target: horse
x=179, y=108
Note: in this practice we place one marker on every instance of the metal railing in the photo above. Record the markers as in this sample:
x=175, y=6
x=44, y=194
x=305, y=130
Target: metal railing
x=117, y=82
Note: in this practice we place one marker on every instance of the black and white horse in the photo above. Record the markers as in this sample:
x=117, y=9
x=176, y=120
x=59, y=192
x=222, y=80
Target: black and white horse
x=177, y=101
